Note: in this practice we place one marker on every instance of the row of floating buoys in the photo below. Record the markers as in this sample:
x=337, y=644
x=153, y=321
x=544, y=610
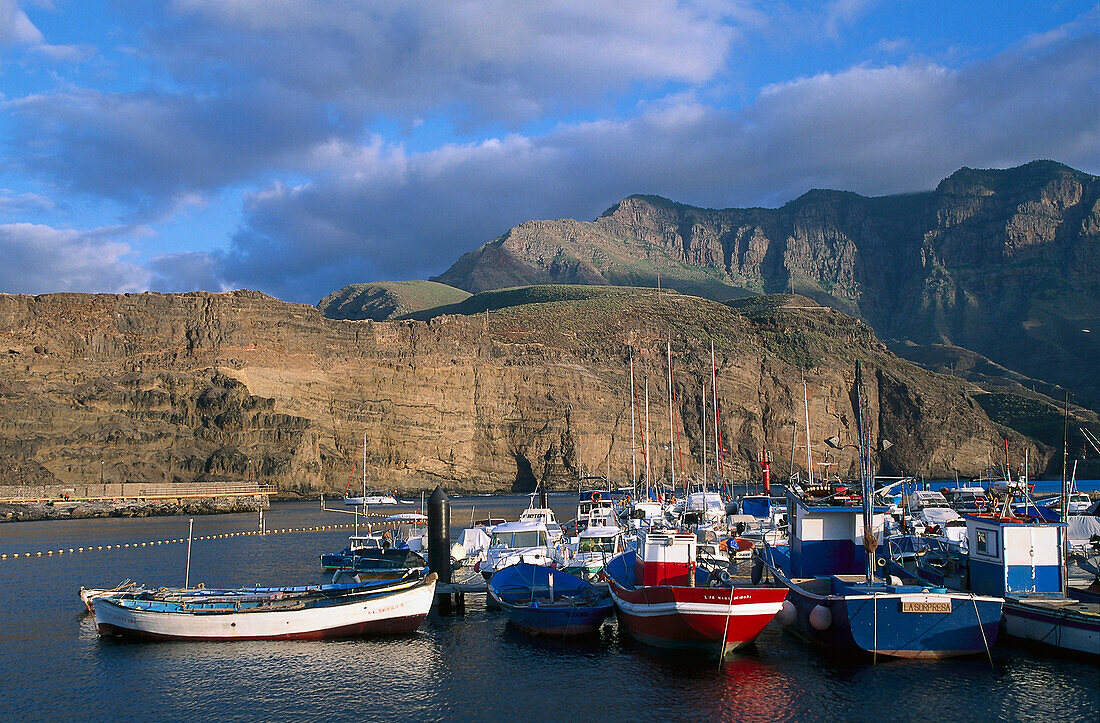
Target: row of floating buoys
x=150, y=543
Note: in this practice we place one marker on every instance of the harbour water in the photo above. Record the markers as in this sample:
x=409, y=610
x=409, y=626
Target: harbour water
x=460, y=667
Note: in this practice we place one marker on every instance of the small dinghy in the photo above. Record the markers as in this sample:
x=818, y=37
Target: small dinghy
x=543, y=601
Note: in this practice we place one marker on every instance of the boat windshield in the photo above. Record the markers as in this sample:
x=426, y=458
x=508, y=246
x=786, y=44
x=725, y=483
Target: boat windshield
x=597, y=544
x=527, y=538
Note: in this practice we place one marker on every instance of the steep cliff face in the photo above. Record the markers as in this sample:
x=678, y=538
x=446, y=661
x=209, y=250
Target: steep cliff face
x=1004, y=263
x=243, y=386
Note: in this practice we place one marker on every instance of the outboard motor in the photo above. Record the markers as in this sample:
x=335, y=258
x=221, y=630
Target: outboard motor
x=731, y=509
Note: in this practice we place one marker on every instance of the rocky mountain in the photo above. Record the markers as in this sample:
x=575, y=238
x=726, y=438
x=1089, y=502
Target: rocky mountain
x=182, y=387
x=1003, y=263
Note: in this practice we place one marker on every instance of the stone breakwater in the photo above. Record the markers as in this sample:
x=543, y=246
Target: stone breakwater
x=79, y=509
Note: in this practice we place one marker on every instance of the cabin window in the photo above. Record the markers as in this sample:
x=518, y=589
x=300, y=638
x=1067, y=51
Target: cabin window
x=502, y=539
x=598, y=544
x=527, y=539
x=986, y=541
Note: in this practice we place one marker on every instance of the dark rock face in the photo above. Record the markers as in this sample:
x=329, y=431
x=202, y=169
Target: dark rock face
x=1003, y=263
x=165, y=388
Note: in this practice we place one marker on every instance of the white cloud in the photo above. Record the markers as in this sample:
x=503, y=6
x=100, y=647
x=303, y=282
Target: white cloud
x=488, y=59
x=15, y=27
x=12, y=202
x=40, y=259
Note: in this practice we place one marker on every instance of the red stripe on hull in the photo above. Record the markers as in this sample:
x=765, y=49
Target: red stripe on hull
x=392, y=626
x=680, y=630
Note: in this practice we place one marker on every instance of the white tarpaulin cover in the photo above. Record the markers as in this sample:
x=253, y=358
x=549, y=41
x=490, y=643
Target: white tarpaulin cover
x=473, y=540
x=1082, y=528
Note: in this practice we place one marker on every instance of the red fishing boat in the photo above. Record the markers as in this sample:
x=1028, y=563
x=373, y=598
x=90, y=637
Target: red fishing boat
x=663, y=600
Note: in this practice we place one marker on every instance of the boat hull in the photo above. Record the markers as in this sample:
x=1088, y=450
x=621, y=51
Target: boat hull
x=556, y=621
x=1066, y=626
x=387, y=613
x=714, y=620
x=544, y=601
x=891, y=624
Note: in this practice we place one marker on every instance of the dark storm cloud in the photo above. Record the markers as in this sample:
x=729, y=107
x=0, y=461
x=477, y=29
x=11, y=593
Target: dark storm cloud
x=488, y=59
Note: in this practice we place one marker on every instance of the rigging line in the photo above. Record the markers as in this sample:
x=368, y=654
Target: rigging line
x=982, y=629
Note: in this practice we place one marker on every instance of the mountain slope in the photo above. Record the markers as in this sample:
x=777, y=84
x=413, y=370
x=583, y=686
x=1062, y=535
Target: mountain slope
x=382, y=300
x=1005, y=263
x=184, y=387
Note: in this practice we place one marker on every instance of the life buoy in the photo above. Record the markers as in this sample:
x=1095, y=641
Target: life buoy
x=596, y=497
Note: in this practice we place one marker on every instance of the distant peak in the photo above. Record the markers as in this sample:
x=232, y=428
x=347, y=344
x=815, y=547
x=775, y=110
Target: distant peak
x=633, y=202
x=968, y=179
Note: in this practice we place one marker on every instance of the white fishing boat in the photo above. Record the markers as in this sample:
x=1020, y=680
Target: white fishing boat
x=515, y=542
x=319, y=611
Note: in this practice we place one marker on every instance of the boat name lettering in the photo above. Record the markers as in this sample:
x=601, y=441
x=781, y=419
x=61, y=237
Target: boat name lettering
x=926, y=606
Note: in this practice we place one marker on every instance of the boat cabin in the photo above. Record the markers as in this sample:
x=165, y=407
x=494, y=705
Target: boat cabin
x=1014, y=556
x=600, y=539
x=966, y=499
x=520, y=534
x=828, y=539
x=594, y=507
x=665, y=557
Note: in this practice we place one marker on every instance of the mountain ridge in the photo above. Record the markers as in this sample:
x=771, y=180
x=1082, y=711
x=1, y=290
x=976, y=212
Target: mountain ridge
x=1003, y=262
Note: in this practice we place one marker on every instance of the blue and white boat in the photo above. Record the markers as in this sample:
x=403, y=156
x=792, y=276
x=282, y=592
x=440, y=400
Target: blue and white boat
x=1021, y=559
x=544, y=601
x=835, y=603
x=839, y=598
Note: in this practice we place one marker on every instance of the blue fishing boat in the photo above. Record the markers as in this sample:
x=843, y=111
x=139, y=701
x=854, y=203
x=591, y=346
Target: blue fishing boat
x=840, y=598
x=543, y=601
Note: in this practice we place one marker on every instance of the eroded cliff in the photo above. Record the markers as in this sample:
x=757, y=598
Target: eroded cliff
x=242, y=386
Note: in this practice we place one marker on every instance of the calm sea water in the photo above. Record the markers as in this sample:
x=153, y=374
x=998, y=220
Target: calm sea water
x=469, y=667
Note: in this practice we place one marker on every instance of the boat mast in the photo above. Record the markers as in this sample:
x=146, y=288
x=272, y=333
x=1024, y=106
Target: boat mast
x=717, y=448
x=364, y=467
x=704, y=429
x=809, y=456
x=671, y=424
x=647, y=449
x=1065, y=500
x=633, y=461
x=866, y=478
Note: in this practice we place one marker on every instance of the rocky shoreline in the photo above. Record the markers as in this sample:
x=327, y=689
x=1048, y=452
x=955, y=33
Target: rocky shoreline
x=77, y=509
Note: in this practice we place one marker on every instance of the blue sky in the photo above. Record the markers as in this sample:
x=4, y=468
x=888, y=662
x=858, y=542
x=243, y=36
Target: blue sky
x=295, y=146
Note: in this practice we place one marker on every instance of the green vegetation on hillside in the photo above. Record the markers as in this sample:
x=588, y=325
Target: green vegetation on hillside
x=384, y=300
x=523, y=295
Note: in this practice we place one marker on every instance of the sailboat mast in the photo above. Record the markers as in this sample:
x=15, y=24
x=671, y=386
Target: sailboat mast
x=647, y=449
x=633, y=461
x=704, y=429
x=671, y=423
x=364, y=466
x=714, y=392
